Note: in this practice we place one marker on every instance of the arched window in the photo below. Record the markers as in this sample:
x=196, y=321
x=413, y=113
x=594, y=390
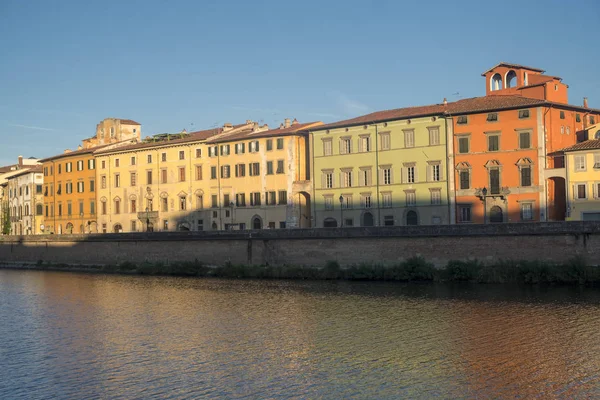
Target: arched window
x=69, y=228
x=214, y=226
x=118, y=228
x=496, y=214
x=496, y=82
x=329, y=223
x=525, y=80
x=39, y=209
x=412, y=218
x=597, y=135
x=26, y=210
x=183, y=227
x=256, y=222
x=511, y=79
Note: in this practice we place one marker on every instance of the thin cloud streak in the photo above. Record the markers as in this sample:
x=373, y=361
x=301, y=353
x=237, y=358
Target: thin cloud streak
x=37, y=128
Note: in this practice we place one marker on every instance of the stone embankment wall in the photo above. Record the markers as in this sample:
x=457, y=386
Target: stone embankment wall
x=553, y=241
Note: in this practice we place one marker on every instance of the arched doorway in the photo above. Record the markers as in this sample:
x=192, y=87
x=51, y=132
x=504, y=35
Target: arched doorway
x=412, y=218
x=496, y=214
x=304, y=210
x=183, y=227
x=367, y=219
x=329, y=223
x=69, y=228
x=256, y=222
x=118, y=228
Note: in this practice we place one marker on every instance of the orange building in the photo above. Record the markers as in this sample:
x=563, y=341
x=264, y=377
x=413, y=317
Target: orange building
x=501, y=144
x=70, y=179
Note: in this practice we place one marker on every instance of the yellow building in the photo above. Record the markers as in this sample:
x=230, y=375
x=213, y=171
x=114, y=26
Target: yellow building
x=207, y=180
x=382, y=169
x=582, y=163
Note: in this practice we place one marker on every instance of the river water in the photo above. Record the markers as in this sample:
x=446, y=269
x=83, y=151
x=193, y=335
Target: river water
x=84, y=336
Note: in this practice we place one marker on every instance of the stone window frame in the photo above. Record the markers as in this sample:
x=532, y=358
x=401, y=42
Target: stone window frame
x=382, y=135
x=521, y=215
x=490, y=166
x=405, y=177
x=409, y=136
x=382, y=169
x=328, y=203
x=460, y=136
x=437, y=190
x=430, y=130
x=464, y=167
x=391, y=199
x=347, y=181
x=164, y=176
x=575, y=164
x=198, y=172
x=596, y=189
x=408, y=195
x=529, y=131
x=324, y=173
x=369, y=142
x=492, y=118
x=521, y=164
x=363, y=200
x=430, y=165
x=576, y=191
x=522, y=113
x=327, y=141
x=459, y=208
x=343, y=140
x=596, y=160
x=490, y=134
x=347, y=201
x=462, y=120
x=365, y=180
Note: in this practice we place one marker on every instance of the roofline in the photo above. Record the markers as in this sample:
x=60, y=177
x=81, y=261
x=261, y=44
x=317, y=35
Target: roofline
x=153, y=146
x=69, y=154
x=514, y=65
x=325, y=127
x=258, y=135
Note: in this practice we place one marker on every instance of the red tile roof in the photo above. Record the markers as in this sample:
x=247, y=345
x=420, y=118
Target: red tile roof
x=7, y=168
x=509, y=65
x=74, y=153
x=129, y=122
x=248, y=134
x=23, y=171
x=593, y=144
x=491, y=103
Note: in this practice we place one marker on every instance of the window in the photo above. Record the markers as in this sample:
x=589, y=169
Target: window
x=597, y=188
x=411, y=197
x=117, y=162
x=240, y=170
x=526, y=211
x=596, y=163
x=68, y=167
x=38, y=189
x=347, y=201
x=181, y=154
x=365, y=200
x=214, y=200
x=149, y=158
x=133, y=226
x=149, y=177
x=112, y=132
x=224, y=149
x=365, y=177
x=253, y=146
x=69, y=187
x=282, y=194
x=133, y=160
x=200, y=224
x=577, y=118
x=199, y=201
x=526, y=176
x=388, y=220
x=102, y=208
x=494, y=181
x=435, y=172
x=493, y=142
x=327, y=147
x=562, y=129
x=255, y=199
x=164, y=202
x=80, y=187
x=60, y=209
x=163, y=157
x=240, y=200
x=198, y=172
x=434, y=136
x=182, y=174
x=254, y=169
x=269, y=144
x=117, y=206
x=345, y=145
x=523, y=114
x=182, y=203
x=133, y=206
x=212, y=151
x=39, y=209
x=562, y=115
x=280, y=166
x=592, y=120
x=436, y=196
x=580, y=191
x=327, y=179
x=328, y=202
x=225, y=171
x=385, y=141
x=80, y=165
x=165, y=225
x=465, y=181
x=347, y=178
x=386, y=199
x=364, y=144
x=461, y=120
x=409, y=138
x=92, y=185
x=387, y=175
x=524, y=140
x=270, y=199
x=280, y=144
x=464, y=214
x=269, y=167
x=92, y=207
x=163, y=175
x=198, y=153
x=463, y=144
x=410, y=174
x=580, y=163
x=213, y=172
x=492, y=117
x=240, y=148
x=568, y=130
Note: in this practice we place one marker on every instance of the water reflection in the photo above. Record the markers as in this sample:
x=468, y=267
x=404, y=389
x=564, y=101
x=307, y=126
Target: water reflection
x=90, y=336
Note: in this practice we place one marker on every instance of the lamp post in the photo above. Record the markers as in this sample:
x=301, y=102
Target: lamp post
x=484, y=192
x=231, y=204
x=341, y=211
x=81, y=216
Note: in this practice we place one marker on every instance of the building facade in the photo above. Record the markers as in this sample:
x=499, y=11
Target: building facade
x=25, y=200
x=233, y=177
x=382, y=169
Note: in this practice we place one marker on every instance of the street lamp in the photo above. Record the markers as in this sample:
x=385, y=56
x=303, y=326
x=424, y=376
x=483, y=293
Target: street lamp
x=81, y=216
x=341, y=211
x=231, y=216
x=483, y=197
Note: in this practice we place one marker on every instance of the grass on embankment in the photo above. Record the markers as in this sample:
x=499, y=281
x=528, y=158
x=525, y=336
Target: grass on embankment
x=414, y=269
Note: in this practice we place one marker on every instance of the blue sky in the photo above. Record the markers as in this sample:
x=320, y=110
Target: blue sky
x=66, y=65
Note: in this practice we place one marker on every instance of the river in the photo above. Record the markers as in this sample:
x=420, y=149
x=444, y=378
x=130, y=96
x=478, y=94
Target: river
x=85, y=336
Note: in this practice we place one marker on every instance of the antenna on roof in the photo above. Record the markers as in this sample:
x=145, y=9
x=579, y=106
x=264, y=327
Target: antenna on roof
x=457, y=94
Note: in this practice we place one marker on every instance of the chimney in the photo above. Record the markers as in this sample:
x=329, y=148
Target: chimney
x=248, y=121
x=445, y=102
x=281, y=126
x=287, y=122
x=20, y=161
x=585, y=102
x=67, y=151
x=254, y=126
x=295, y=121
x=227, y=126
x=79, y=147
